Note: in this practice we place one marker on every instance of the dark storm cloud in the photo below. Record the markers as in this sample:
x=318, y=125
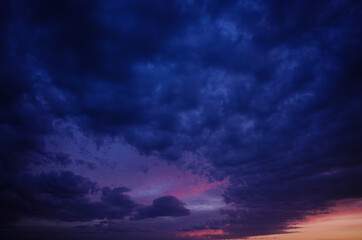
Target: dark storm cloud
x=167, y=206
x=89, y=59
x=66, y=196
x=267, y=92
x=60, y=196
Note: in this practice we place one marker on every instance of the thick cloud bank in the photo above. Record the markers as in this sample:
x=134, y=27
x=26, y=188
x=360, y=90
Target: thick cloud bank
x=66, y=196
x=268, y=93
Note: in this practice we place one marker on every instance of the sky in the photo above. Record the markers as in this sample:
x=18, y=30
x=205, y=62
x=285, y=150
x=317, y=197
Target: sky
x=180, y=120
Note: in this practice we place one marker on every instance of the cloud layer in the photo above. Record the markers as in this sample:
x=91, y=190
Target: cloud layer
x=268, y=94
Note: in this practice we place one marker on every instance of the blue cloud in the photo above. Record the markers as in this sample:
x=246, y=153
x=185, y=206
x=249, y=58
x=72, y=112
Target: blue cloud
x=268, y=93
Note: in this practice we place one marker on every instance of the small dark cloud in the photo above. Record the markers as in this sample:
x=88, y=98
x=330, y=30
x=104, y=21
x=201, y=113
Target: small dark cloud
x=167, y=206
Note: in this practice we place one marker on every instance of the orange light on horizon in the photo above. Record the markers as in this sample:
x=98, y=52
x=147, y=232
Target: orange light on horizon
x=343, y=222
x=204, y=232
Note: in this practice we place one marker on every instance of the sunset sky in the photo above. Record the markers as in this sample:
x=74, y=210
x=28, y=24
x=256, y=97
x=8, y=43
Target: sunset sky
x=180, y=120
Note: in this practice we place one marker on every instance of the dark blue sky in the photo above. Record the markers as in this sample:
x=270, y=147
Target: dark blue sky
x=153, y=119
